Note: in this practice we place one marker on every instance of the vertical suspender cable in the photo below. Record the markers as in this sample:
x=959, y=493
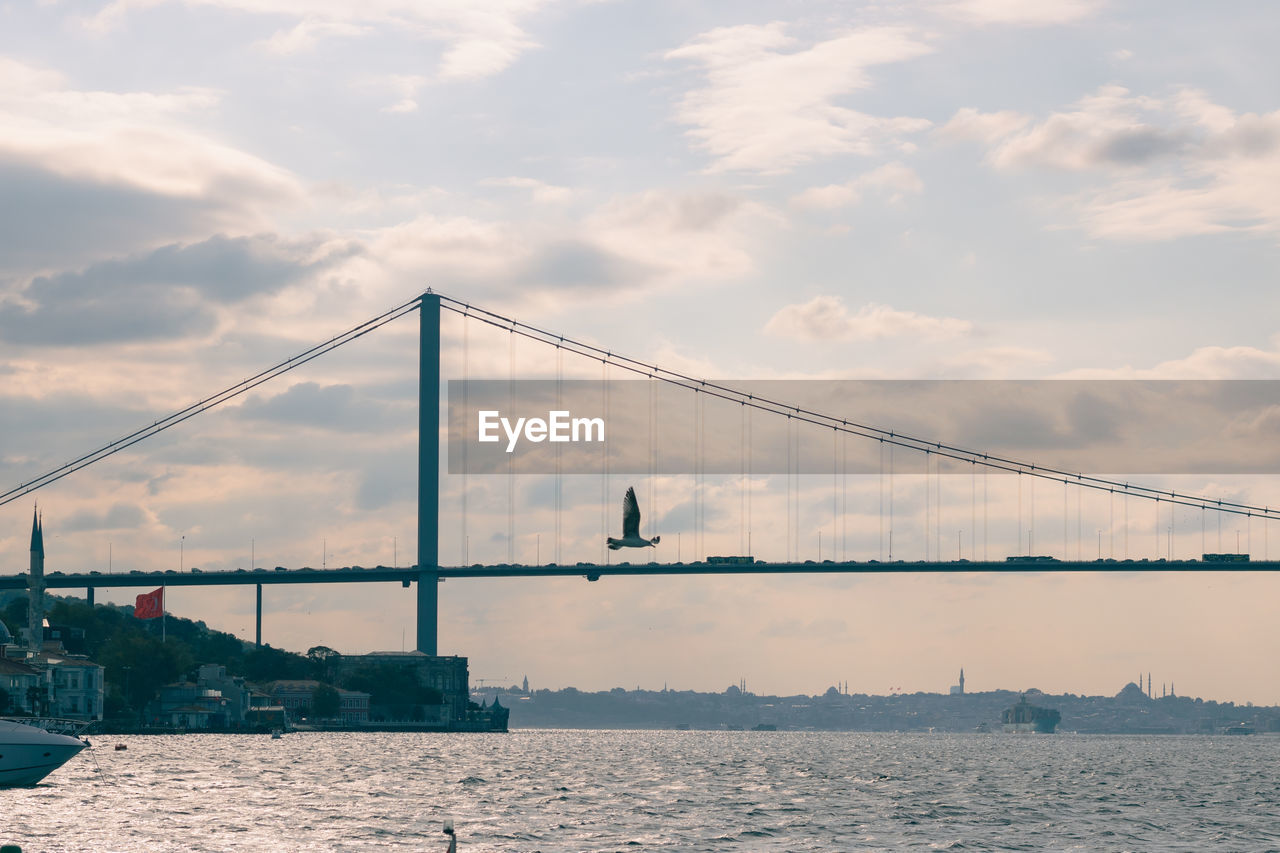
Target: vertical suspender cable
x=1126, y=522
x=881, y=557
x=604, y=461
x=511, y=482
x=1031, y=532
x=1064, y=521
x=796, y=505
x=702, y=473
x=1155, y=553
x=835, y=488
x=653, y=453
x=789, y=559
x=466, y=426
x=742, y=479
x=844, y=497
x=559, y=490
x=698, y=477
x=890, y=502
x=928, y=500
x=937, y=509
x=751, y=485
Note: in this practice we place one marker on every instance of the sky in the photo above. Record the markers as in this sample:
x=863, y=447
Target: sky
x=944, y=189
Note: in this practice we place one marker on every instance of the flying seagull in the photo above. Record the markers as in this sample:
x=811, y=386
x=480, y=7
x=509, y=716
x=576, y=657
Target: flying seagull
x=631, y=526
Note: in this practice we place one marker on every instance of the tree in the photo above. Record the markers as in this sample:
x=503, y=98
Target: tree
x=325, y=702
x=322, y=659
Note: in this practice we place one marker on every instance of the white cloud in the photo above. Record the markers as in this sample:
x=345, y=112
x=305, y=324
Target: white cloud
x=540, y=191
x=988, y=128
x=768, y=107
x=827, y=318
x=481, y=37
x=307, y=34
x=1212, y=362
x=693, y=236
x=894, y=180
x=1032, y=13
x=993, y=362
x=135, y=138
x=67, y=155
x=1174, y=167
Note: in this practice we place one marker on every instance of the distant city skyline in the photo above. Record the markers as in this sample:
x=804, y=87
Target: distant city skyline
x=942, y=189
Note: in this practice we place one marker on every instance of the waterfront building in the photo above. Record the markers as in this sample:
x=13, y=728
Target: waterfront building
x=187, y=705
x=75, y=683
x=24, y=686
x=213, y=676
x=297, y=697
x=446, y=673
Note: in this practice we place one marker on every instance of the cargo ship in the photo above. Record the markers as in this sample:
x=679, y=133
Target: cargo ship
x=1025, y=717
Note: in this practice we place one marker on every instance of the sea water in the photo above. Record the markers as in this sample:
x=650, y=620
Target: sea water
x=556, y=790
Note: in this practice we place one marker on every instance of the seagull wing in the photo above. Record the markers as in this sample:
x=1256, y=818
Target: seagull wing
x=630, y=515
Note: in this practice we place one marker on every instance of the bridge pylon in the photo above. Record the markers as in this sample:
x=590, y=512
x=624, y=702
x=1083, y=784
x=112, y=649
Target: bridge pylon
x=428, y=471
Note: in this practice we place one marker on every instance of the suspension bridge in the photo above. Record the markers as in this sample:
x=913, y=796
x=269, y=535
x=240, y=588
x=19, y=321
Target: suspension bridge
x=429, y=570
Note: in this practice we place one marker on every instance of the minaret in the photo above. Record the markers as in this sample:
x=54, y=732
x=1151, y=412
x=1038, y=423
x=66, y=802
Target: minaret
x=35, y=585
x=961, y=681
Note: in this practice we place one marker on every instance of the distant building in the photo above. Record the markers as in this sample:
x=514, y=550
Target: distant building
x=24, y=684
x=958, y=689
x=353, y=706
x=212, y=676
x=294, y=696
x=76, y=685
x=298, y=696
x=187, y=705
x=446, y=673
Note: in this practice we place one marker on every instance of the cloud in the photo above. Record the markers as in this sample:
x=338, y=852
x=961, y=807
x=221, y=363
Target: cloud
x=91, y=169
x=307, y=34
x=625, y=247
x=1031, y=13
x=167, y=293
x=1213, y=362
x=769, y=107
x=827, y=318
x=994, y=361
x=1173, y=167
x=539, y=191
x=894, y=180
x=480, y=37
x=987, y=128
x=406, y=87
x=315, y=406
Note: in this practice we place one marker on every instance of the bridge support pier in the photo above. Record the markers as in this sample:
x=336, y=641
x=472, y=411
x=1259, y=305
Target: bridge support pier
x=257, y=641
x=428, y=471
x=89, y=594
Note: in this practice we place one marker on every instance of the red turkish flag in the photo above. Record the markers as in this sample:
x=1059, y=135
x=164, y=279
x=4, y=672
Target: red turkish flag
x=150, y=605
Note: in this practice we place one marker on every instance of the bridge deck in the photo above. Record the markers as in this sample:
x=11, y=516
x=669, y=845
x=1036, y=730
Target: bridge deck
x=406, y=576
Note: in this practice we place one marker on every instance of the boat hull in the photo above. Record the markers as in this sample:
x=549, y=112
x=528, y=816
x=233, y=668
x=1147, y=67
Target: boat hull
x=28, y=754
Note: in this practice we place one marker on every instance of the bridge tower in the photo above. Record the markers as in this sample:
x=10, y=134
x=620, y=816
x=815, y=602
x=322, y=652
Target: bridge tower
x=428, y=471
